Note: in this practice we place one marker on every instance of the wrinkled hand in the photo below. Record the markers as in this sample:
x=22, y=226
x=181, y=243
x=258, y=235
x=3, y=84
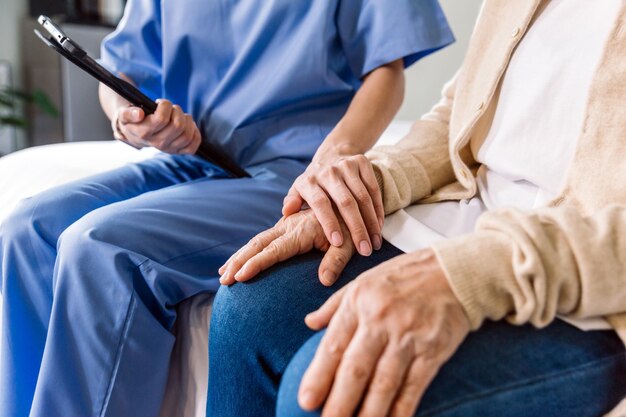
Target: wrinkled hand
x=169, y=129
x=291, y=236
x=349, y=184
x=390, y=332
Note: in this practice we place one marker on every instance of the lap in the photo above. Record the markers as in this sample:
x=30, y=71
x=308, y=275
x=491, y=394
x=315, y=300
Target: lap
x=284, y=294
x=170, y=208
x=515, y=371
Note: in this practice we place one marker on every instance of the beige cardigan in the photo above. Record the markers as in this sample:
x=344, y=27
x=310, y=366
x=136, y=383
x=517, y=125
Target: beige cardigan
x=567, y=259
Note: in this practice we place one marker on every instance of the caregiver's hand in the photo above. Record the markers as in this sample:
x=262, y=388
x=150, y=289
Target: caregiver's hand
x=390, y=331
x=291, y=236
x=347, y=183
x=169, y=129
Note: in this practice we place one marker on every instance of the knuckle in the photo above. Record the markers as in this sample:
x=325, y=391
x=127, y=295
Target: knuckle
x=384, y=383
x=346, y=202
x=339, y=259
x=363, y=196
x=143, y=134
x=360, y=159
x=159, y=120
x=256, y=245
x=178, y=124
x=335, y=170
x=319, y=199
x=310, y=180
x=344, y=163
x=160, y=143
x=356, y=370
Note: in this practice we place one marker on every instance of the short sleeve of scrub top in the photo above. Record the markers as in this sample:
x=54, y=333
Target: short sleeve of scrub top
x=137, y=50
x=376, y=32
x=268, y=79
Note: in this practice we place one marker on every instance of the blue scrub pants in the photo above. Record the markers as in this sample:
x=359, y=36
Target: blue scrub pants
x=260, y=349
x=92, y=272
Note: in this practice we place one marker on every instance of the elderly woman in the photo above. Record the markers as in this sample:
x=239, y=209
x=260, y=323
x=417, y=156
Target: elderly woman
x=509, y=203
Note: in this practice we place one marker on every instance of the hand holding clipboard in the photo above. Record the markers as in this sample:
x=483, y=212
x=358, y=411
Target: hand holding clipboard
x=70, y=50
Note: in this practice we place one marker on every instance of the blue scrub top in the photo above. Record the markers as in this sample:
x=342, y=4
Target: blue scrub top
x=266, y=79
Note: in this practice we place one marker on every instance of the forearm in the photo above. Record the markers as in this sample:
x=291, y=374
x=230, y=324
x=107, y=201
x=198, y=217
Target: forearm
x=372, y=109
x=530, y=267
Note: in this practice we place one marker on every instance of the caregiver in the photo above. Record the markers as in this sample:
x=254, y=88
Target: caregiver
x=92, y=271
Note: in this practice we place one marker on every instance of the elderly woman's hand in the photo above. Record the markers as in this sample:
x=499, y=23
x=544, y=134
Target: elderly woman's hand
x=291, y=236
x=390, y=331
x=348, y=184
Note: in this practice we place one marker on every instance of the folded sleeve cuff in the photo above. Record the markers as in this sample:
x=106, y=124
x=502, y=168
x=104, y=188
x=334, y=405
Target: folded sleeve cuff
x=479, y=269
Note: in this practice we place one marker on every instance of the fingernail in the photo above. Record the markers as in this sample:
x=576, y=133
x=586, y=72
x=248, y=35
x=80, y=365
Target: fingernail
x=136, y=113
x=223, y=280
x=336, y=239
x=365, y=248
x=239, y=274
x=329, y=277
x=377, y=242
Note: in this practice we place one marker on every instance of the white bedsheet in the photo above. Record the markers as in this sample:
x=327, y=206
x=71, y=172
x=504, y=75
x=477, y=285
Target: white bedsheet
x=34, y=170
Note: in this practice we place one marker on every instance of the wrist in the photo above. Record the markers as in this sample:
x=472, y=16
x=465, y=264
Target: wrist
x=334, y=150
x=115, y=126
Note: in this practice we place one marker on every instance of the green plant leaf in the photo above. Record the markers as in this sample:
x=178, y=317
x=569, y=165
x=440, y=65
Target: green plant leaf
x=45, y=104
x=18, y=94
x=12, y=121
x=6, y=102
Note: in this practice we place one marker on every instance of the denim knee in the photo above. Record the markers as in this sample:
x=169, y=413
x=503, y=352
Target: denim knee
x=287, y=404
x=242, y=316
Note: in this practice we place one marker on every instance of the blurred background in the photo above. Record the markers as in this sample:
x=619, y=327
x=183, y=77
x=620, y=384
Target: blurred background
x=49, y=84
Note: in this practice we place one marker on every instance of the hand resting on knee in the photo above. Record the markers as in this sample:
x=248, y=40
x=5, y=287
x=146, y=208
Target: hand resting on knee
x=291, y=236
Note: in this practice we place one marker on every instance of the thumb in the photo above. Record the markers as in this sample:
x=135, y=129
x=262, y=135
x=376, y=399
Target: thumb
x=334, y=262
x=130, y=115
x=292, y=203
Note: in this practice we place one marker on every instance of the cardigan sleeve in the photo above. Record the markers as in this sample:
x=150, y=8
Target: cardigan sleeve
x=530, y=267
x=420, y=162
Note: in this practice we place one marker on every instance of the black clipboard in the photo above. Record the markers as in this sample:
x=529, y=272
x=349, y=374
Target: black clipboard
x=70, y=50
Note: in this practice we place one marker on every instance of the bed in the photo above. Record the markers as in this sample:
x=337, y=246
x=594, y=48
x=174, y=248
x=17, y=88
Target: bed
x=33, y=170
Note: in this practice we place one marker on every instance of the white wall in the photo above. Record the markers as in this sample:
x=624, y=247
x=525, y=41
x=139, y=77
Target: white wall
x=426, y=77
x=11, y=14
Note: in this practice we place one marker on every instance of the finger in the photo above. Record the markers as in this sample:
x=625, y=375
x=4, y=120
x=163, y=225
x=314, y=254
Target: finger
x=321, y=205
x=387, y=381
x=317, y=380
x=194, y=145
x=256, y=245
x=174, y=129
x=183, y=141
x=333, y=263
x=160, y=119
x=366, y=171
x=420, y=375
x=292, y=202
x=178, y=144
x=351, y=214
x=320, y=318
x=366, y=207
x=279, y=250
x=354, y=372
x=130, y=115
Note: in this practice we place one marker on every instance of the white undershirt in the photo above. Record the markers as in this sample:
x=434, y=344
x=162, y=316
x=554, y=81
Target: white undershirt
x=533, y=137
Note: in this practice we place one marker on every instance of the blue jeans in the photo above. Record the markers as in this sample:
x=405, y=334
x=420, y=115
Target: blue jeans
x=260, y=349
x=92, y=272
